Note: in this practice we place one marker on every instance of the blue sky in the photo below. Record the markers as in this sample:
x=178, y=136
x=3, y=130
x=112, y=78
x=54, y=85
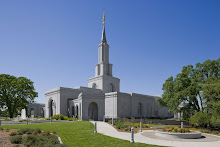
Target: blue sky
x=55, y=43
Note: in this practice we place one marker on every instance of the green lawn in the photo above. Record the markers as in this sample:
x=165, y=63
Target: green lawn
x=78, y=133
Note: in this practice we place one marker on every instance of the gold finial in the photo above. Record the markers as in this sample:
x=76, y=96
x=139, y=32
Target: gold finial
x=103, y=18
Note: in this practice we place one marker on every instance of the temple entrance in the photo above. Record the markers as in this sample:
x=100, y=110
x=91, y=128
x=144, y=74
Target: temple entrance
x=93, y=111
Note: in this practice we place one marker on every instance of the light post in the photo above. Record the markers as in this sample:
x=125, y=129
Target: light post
x=132, y=135
x=140, y=127
x=181, y=105
x=95, y=129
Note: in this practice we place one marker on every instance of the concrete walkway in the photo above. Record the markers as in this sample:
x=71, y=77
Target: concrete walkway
x=108, y=130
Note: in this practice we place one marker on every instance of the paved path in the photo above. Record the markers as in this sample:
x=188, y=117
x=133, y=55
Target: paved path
x=108, y=130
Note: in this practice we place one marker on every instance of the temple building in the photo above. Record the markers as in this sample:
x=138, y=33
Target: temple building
x=102, y=98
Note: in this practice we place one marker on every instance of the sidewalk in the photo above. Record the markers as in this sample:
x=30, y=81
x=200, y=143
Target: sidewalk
x=108, y=130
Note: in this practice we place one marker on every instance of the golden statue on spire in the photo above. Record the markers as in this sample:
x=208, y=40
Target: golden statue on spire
x=103, y=18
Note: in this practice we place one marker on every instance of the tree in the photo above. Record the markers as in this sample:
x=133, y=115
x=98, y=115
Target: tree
x=15, y=93
x=198, y=87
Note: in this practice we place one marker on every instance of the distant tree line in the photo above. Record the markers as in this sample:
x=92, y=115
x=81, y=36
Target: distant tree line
x=199, y=88
x=15, y=94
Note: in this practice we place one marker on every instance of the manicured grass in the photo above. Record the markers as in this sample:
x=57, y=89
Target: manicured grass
x=80, y=133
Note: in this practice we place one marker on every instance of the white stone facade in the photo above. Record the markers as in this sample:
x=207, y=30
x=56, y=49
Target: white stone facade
x=102, y=98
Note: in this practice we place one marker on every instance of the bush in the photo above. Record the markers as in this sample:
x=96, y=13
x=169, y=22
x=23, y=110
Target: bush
x=176, y=130
x=13, y=134
x=70, y=119
x=59, y=117
x=46, y=133
x=22, y=131
x=215, y=132
x=200, y=118
x=207, y=131
x=56, y=117
x=29, y=131
x=65, y=118
x=16, y=139
x=29, y=140
x=38, y=130
x=215, y=121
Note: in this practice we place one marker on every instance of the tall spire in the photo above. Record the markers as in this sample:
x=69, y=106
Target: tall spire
x=103, y=30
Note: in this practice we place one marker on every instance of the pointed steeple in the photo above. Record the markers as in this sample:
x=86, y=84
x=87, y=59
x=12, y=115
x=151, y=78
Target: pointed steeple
x=103, y=31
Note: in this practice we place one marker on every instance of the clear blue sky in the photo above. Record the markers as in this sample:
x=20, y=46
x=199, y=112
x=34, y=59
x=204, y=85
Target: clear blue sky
x=55, y=43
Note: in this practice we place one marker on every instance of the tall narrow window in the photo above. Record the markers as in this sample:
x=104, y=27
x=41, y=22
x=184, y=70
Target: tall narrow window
x=111, y=88
x=94, y=85
x=139, y=109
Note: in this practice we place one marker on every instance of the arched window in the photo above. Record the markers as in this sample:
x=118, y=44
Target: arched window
x=94, y=85
x=111, y=88
x=139, y=109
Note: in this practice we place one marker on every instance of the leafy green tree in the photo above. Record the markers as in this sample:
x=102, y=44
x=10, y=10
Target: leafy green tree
x=15, y=93
x=197, y=86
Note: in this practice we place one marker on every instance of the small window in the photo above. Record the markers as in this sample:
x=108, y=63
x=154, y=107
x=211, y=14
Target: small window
x=111, y=88
x=139, y=109
x=94, y=85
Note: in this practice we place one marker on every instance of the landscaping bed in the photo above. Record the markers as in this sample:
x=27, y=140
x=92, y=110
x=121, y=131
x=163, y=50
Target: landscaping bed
x=28, y=138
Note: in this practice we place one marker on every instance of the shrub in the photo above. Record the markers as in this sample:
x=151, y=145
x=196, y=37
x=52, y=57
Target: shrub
x=136, y=125
x=53, y=140
x=46, y=133
x=70, y=119
x=207, y=131
x=118, y=125
x=56, y=117
x=29, y=131
x=35, y=116
x=215, y=121
x=29, y=140
x=200, y=118
x=145, y=126
x=175, y=130
x=60, y=117
x=22, y=131
x=13, y=134
x=65, y=118
x=16, y=139
x=180, y=130
x=215, y=132
x=38, y=130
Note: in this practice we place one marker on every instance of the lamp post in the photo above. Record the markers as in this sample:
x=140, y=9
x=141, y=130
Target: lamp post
x=181, y=105
x=132, y=135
